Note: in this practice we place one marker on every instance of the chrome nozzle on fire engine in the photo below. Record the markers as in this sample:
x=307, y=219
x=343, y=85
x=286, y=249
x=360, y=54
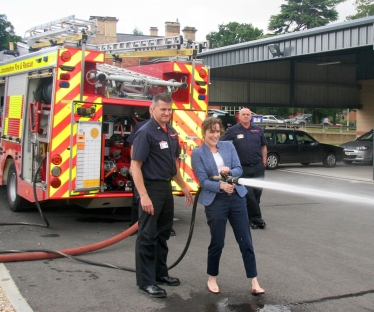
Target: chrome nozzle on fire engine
x=138, y=81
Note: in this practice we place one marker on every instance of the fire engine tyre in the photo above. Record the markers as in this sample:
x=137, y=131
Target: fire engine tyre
x=16, y=202
x=330, y=160
x=272, y=161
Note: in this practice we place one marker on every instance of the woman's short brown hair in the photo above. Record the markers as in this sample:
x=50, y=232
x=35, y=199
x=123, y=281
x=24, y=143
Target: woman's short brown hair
x=208, y=124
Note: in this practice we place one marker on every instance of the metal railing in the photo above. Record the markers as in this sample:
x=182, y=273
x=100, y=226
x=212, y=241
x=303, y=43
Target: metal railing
x=309, y=127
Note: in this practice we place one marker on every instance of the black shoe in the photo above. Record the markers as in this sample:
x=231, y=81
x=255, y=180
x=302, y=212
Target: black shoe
x=153, y=291
x=172, y=232
x=253, y=226
x=261, y=224
x=167, y=280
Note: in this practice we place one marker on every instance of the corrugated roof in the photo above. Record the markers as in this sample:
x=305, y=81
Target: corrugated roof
x=345, y=35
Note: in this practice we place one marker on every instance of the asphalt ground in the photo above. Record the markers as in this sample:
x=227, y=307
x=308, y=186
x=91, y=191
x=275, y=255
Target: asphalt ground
x=316, y=253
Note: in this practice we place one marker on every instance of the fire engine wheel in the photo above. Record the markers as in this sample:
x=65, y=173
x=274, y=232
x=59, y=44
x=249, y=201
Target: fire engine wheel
x=16, y=202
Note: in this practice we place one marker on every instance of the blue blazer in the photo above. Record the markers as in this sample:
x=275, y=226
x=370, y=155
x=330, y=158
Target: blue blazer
x=204, y=165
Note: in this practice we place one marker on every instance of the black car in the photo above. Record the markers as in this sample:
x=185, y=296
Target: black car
x=295, y=146
x=228, y=120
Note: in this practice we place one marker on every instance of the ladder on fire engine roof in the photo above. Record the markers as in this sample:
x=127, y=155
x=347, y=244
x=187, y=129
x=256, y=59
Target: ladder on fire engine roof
x=68, y=29
x=153, y=47
x=131, y=84
x=71, y=30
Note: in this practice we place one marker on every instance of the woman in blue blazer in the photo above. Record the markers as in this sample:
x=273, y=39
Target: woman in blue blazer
x=223, y=201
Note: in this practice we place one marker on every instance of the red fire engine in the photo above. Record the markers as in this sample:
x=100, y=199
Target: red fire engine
x=66, y=114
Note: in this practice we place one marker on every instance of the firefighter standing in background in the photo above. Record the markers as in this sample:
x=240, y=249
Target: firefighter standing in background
x=154, y=164
x=251, y=146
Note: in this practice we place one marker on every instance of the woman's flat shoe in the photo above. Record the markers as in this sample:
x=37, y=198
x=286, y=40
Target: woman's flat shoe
x=211, y=290
x=258, y=292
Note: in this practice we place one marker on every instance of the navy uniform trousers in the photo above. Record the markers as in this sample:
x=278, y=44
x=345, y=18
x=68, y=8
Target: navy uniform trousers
x=154, y=230
x=232, y=208
x=254, y=193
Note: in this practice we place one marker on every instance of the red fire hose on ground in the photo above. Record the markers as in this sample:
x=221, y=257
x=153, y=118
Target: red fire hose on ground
x=28, y=255
x=37, y=255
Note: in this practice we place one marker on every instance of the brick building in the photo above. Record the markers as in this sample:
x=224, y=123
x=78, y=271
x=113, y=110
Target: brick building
x=107, y=33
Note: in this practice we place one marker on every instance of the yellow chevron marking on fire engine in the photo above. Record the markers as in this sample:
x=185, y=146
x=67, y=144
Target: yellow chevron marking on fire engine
x=177, y=68
x=187, y=119
x=61, y=115
x=75, y=58
x=65, y=155
x=201, y=103
x=191, y=124
x=73, y=82
x=65, y=176
x=62, y=136
x=15, y=106
x=188, y=180
x=189, y=68
x=64, y=179
x=99, y=58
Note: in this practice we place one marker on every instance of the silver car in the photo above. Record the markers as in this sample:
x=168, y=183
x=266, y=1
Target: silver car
x=360, y=150
x=272, y=119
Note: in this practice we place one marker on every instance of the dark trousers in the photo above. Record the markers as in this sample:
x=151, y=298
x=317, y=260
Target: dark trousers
x=134, y=206
x=254, y=193
x=230, y=208
x=154, y=230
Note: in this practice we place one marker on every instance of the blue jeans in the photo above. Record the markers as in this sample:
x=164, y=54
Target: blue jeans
x=232, y=208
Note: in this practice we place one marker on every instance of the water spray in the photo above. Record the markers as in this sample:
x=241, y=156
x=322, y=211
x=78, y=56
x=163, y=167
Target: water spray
x=290, y=188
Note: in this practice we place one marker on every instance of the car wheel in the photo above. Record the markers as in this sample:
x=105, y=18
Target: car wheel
x=330, y=160
x=347, y=162
x=305, y=164
x=272, y=161
x=16, y=202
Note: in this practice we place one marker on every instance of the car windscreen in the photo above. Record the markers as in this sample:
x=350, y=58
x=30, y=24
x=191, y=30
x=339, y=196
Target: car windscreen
x=366, y=137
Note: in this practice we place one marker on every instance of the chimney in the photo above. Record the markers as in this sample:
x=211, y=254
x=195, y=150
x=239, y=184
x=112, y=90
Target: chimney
x=189, y=33
x=172, y=29
x=106, y=29
x=153, y=31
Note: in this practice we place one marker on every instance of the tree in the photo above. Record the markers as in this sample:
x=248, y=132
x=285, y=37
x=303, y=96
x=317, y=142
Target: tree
x=137, y=32
x=363, y=7
x=233, y=33
x=7, y=33
x=303, y=14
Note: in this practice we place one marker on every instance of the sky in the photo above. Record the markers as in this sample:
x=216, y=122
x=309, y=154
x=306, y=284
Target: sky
x=204, y=15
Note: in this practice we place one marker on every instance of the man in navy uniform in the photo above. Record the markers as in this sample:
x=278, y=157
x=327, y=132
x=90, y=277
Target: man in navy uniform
x=251, y=145
x=134, y=205
x=154, y=164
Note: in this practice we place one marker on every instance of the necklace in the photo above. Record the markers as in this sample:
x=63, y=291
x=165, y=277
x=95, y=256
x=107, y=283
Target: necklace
x=214, y=149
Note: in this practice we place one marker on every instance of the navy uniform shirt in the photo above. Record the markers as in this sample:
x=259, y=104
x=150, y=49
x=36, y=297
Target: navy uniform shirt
x=157, y=150
x=131, y=136
x=247, y=142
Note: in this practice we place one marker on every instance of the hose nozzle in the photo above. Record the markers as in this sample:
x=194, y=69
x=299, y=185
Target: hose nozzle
x=228, y=179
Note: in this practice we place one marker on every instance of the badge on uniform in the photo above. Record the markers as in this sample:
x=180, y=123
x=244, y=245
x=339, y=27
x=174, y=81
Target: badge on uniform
x=240, y=136
x=164, y=144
